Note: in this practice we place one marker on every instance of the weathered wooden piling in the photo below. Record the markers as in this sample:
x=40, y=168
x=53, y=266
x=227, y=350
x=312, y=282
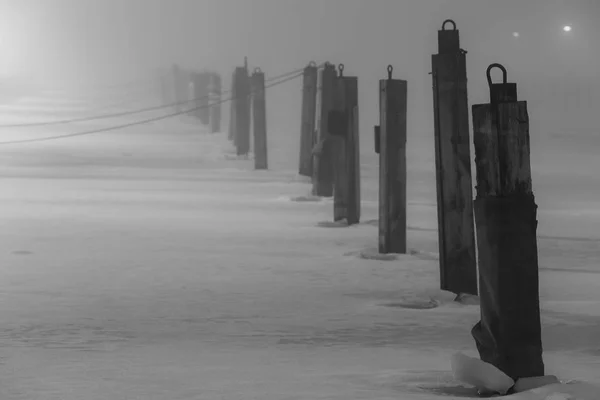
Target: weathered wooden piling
x=232, y=107
x=259, y=120
x=194, y=97
x=191, y=95
x=308, y=116
x=458, y=266
x=353, y=157
x=337, y=122
x=242, y=111
x=343, y=128
x=390, y=140
x=201, y=95
x=179, y=87
x=322, y=177
x=215, y=102
x=509, y=333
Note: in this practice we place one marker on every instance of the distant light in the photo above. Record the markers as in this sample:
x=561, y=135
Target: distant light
x=516, y=34
x=567, y=28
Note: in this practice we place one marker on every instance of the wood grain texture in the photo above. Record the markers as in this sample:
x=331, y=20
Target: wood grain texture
x=308, y=117
x=456, y=231
x=242, y=111
x=392, y=166
x=322, y=179
x=259, y=121
x=215, y=103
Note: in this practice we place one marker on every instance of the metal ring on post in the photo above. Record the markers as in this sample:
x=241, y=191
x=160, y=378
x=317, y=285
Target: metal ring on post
x=257, y=70
x=312, y=64
x=449, y=21
x=341, y=70
x=489, y=73
x=390, y=69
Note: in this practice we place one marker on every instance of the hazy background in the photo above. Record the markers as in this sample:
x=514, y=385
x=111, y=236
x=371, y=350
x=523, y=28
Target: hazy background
x=87, y=38
x=82, y=42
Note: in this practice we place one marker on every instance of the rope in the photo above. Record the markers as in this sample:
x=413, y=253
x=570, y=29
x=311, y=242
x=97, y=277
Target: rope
x=146, y=121
x=131, y=112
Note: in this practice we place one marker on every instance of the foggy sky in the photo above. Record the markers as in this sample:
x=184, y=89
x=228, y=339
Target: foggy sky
x=119, y=40
x=123, y=37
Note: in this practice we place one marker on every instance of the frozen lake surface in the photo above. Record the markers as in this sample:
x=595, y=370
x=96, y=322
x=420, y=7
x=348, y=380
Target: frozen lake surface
x=148, y=263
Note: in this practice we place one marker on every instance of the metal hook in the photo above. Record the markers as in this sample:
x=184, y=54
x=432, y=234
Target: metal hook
x=390, y=69
x=489, y=73
x=451, y=22
x=341, y=70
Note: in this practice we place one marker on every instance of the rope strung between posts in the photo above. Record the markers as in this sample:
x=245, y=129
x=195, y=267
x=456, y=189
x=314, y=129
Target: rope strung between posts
x=122, y=85
x=132, y=112
x=146, y=121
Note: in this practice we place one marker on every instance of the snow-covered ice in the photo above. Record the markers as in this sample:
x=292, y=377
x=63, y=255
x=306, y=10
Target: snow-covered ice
x=143, y=264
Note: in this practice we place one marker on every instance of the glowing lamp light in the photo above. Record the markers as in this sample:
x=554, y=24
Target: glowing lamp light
x=567, y=28
x=516, y=34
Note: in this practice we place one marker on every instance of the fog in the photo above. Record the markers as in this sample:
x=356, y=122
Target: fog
x=112, y=37
x=149, y=261
x=82, y=42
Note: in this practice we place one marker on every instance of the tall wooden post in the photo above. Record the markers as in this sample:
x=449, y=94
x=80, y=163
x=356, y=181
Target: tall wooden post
x=309, y=108
x=259, y=119
x=509, y=333
x=232, y=135
x=202, y=97
x=215, y=102
x=391, y=137
x=344, y=139
x=242, y=111
x=458, y=267
x=179, y=87
x=337, y=121
x=191, y=95
x=194, y=94
x=353, y=158
x=322, y=178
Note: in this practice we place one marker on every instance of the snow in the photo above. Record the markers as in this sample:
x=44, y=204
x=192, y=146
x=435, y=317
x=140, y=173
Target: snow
x=145, y=264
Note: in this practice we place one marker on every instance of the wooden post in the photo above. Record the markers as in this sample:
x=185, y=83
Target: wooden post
x=242, y=111
x=191, y=95
x=215, y=102
x=344, y=135
x=392, y=164
x=177, y=83
x=309, y=108
x=509, y=333
x=458, y=267
x=353, y=158
x=202, y=97
x=322, y=178
x=194, y=94
x=232, y=135
x=198, y=94
x=337, y=121
x=259, y=119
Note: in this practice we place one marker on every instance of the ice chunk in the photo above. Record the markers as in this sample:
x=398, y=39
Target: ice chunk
x=484, y=376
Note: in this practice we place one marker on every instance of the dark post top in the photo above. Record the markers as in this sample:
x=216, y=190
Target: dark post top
x=448, y=40
x=501, y=92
